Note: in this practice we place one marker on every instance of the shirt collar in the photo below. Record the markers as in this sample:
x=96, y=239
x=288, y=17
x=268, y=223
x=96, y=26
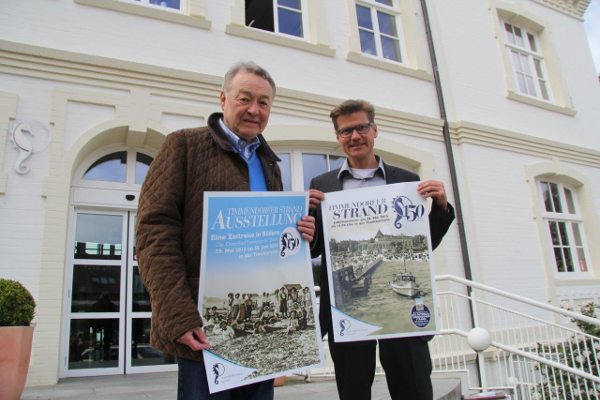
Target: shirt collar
x=346, y=168
x=239, y=144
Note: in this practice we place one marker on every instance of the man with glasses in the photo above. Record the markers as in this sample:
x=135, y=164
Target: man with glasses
x=406, y=361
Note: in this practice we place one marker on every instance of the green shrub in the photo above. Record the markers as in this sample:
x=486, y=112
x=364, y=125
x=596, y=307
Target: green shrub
x=17, y=306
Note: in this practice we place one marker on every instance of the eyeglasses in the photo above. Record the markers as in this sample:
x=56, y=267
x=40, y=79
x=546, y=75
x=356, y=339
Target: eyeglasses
x=360, y=128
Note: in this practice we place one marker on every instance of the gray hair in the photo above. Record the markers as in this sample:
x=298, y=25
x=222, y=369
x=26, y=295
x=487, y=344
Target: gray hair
x=249, y=66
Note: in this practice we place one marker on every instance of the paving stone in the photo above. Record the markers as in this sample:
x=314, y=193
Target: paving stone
x=164, y=386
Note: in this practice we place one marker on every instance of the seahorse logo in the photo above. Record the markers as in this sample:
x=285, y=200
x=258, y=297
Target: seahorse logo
x=218, y=369
x=289, y=242
x=344, y=326
x=404, y=208
x=29, y=137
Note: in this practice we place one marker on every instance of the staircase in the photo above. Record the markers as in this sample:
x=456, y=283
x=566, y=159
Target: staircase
x=495, y=341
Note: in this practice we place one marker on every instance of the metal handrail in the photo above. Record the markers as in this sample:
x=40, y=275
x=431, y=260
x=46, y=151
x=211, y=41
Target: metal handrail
x=535, y=303
x=530, y=356
x=518, y=313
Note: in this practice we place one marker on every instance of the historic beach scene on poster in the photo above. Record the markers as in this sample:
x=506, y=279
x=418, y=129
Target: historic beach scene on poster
x=256, y=292
x=378, y=247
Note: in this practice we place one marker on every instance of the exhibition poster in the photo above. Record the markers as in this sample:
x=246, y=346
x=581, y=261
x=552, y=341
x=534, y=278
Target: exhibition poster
x=381, y=276
x=256, y=294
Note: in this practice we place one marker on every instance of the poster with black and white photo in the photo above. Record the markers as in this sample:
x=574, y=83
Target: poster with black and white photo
x=256, y=294
x=381, y=276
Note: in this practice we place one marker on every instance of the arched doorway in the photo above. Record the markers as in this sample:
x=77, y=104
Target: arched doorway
x=107, y=312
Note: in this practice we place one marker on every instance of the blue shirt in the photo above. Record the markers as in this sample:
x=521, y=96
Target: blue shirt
x=246, y=150
x=248, y=153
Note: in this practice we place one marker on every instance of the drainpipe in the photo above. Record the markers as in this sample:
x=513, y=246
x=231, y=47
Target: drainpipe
x=448, y=144
x=449, y=153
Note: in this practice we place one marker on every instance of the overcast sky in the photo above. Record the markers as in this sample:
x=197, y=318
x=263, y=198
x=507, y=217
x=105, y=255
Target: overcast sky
x=592, y=27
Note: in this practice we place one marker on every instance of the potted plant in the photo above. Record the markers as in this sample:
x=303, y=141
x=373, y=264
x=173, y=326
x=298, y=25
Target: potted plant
x=17, y=308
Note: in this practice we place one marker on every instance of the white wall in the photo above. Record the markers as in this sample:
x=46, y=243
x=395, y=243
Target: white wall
x=475, y=75
x=503, y=238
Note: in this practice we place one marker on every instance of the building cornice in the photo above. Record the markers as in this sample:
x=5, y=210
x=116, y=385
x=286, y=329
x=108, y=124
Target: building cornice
x=473, y=133
x=574, y=8
x=107, y=73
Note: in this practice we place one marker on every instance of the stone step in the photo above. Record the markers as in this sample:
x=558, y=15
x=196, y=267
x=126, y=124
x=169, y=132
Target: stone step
x=164, y=386
x=446, y=389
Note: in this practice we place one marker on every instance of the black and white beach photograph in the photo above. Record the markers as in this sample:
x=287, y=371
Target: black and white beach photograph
x=378, y=280
x=271, y=331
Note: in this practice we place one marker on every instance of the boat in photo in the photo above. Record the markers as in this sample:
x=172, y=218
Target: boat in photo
x=405, y=284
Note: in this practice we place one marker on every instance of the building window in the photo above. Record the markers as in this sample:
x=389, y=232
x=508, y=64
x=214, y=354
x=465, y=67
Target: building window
x=127, y=166
x=299, y=166
x=110, y=168
x=524, y=49
x=169, y=4
x=565, y=228
x=379, y=29
x=279, y=16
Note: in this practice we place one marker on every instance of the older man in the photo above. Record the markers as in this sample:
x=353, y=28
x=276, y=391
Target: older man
x=406, y=362
x=229, y=154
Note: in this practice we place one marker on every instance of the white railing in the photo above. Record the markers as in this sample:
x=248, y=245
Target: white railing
x=528, y=356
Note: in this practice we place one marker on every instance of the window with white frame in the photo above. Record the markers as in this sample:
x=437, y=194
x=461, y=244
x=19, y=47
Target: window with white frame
x=288, y=17
x=565, y=228
x=380, y=29
x=524, y=50
x=298, y=167
x=168, y=4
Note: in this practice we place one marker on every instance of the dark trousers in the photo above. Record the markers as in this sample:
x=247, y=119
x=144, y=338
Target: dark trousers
x=407, y=365
x=192, y=385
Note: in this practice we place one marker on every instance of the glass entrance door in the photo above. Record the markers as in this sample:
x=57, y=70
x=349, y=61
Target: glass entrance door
x=107, y=308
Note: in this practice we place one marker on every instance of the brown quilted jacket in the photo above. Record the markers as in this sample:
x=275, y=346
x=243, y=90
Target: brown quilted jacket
x=169, y=222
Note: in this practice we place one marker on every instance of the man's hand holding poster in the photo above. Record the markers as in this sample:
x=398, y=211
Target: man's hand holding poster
x=381, y=276
x=256, y=292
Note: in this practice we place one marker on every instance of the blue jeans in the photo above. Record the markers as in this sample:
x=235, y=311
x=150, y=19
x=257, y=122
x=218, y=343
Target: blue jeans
x=193, y=385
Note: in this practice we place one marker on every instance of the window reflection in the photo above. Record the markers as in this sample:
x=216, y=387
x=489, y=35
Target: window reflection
x=96, y=288
x=295, y=4
x=94, y=343
x=110, y=168
x=285, y=167
x=167, y=3
x=390, y=48
x=336, y=162
x=142, y=163
x=290, y=22
x=98, y=237
x=134, y=254
x=316, y=164
x=142, y=354
x=140, y=297
x=364, y=17
x=313, y=165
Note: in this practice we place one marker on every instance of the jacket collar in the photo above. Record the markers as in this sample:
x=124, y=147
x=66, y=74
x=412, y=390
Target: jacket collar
x=347, y=169
x=336, y=183
x=223, y=141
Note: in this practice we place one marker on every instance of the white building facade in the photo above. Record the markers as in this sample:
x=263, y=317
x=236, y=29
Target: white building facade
x=90, y=88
